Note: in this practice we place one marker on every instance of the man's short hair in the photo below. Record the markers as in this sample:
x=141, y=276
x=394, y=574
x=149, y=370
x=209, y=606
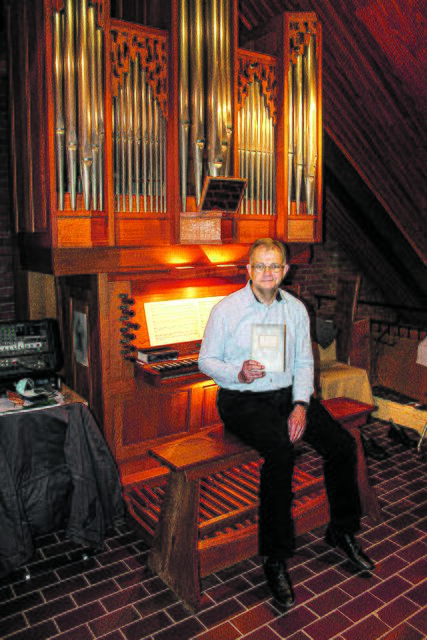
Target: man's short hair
x=268, y=243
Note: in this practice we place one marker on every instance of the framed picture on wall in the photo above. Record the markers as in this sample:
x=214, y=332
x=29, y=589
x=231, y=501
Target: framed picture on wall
x=80, y=332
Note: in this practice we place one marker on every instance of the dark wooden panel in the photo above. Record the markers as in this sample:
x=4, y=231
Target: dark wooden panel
x=79, y=304
x=154, y=413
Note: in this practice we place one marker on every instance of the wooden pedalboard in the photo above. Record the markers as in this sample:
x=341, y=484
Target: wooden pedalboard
x=228, y=513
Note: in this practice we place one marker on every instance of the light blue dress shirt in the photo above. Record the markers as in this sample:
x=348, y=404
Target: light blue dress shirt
x=227, y=342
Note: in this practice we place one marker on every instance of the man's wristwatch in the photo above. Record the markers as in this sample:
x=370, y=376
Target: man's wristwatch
x=302, y=403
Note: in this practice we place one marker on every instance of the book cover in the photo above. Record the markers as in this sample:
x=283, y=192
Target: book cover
x=268, y=346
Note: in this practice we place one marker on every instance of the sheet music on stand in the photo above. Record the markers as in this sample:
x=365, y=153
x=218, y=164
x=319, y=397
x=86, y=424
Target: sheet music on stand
x=182, y=320
x=268, y=346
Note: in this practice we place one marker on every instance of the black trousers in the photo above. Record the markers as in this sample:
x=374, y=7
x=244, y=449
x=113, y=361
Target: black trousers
x=260, y=420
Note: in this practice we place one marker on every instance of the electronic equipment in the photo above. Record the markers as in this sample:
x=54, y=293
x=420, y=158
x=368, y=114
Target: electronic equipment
x=31, y=348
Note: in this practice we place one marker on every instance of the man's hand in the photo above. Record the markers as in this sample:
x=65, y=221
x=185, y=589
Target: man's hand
x=250, y=371
x=296, y=423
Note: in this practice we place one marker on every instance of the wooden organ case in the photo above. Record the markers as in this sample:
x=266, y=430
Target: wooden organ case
x=118, y=123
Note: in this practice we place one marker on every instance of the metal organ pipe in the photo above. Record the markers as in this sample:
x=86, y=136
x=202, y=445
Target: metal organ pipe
x=162, y=161
x=299, y=131
x=136, y=132
x=248, y=153
x=184, y=112
x=252, y=116
x=269, y=172
x=225, y=85
x=100, y=114
x=93, y=83
x=144, y=137
x=197, y=97
x=257, y=137
x=262, y=145
x=266, y=136
x=156, y=162
x=213, y=88
x=273, y=167
x=59, y=106
x=129, y=137
x=310, y=129
x=227, y=39
x=123, y=126
x=70, y=99
x=84, y=114
x=239, y=137
x=291, y=143
x=150, y=132
x=116, y=129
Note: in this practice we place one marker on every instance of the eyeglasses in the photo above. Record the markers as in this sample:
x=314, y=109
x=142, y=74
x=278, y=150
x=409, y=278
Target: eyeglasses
x=260, y=268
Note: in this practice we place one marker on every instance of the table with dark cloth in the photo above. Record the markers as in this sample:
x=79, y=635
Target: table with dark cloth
x=56, y=471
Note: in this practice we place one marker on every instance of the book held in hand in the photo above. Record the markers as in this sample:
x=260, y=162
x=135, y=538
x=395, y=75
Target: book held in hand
x=268, y=346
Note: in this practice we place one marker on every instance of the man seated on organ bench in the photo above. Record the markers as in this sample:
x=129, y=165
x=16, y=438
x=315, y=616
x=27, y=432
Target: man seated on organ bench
x=269, y=406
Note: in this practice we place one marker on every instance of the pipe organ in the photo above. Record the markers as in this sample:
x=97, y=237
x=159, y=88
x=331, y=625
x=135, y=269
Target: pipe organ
x=128, y=121
x=118, y=127
x=131, y=144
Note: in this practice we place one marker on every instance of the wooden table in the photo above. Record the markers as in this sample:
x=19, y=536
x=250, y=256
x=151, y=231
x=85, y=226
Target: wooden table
x=54, y=465
x=352, y=415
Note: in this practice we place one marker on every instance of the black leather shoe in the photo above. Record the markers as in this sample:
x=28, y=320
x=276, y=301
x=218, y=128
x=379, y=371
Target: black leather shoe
x=373, y=449
x=399, y=435
x=279, y=581
x=347, y=543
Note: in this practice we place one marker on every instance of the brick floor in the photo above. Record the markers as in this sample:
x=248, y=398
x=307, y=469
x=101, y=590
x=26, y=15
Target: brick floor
x=68, y=593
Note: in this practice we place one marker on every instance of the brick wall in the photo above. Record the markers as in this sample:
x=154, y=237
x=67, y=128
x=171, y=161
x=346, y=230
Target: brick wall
x=320, y=276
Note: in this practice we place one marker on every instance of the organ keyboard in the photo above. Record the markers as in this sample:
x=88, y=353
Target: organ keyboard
x=155, y=373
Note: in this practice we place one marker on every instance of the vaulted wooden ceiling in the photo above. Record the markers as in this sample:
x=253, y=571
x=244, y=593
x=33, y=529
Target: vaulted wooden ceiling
x=374, y=108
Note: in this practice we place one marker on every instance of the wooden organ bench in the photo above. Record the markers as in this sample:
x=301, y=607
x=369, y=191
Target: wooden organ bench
x=202, y=515
x=352, y=415
x=204, y=518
